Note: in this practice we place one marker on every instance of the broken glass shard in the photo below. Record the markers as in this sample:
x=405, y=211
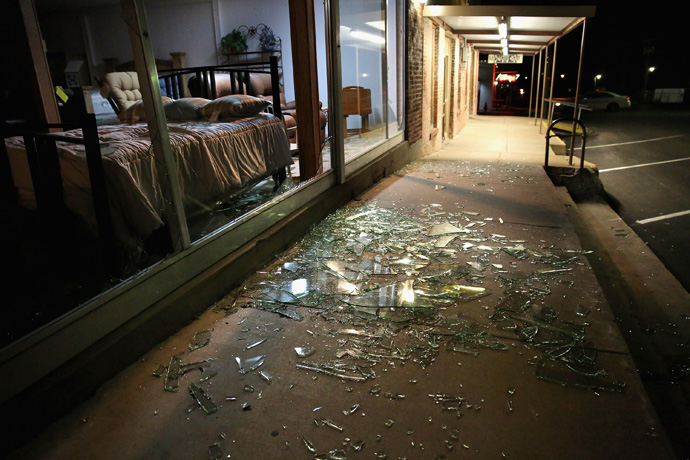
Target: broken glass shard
x=215, y=451
x=553, y=271
x=201, y=339
x=351, y=410
x=304, y=352
x=310, y=447
x=250, y=364
x=266, y=376
x=202, y=399
x=462, y=349
x=581, y=310
x=329, y=423
x=359, y=332
x=207, y=373
x=337, y=454
x=332, y=371
x=462, y=293
x=159, y=371
x=444, y=229
x=357, y=445
x=558, y=372
x=291, y=266
x=519, y=251
x=173, y=374
x=284, y=296
x=395, y=295
x=444, y=241
x=255, y=344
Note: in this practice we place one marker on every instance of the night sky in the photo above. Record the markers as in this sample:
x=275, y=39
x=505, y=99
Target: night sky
x=622, y=42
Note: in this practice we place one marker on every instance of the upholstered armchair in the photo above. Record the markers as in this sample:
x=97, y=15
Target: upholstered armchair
x=122, y=91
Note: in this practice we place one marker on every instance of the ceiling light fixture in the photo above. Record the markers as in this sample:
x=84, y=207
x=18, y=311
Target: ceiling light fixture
x=368, y=37
x=380, y=25
x=503, y=28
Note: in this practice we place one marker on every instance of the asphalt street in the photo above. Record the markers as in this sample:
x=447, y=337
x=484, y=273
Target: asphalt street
x=643, y=157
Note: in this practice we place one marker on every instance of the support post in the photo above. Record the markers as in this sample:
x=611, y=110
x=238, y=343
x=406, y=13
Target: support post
x=531, y=90
x=553, y=74
x=303, y=36
x=135, y=16
x=577, y=93
x=536, y=93
x=46, y=104
x=543, y=89
x=335, y=93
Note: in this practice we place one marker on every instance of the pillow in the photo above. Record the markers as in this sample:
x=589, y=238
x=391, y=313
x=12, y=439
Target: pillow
x=136, y=112
x=186, y=108
x=235, y=106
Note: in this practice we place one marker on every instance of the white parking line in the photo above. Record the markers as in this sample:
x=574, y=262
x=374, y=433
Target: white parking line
x=667, y=216
x=633, y=142
x=644, y=164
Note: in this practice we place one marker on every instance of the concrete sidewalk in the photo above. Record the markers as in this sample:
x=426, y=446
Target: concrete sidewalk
x=444, y=312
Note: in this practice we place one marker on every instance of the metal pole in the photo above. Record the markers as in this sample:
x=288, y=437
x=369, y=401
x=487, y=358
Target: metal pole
x=134, y=14
x=576, y=109
x=384, y=67
x=543, y=89
x=553, y=73
x=536, y=94
x=531, y=89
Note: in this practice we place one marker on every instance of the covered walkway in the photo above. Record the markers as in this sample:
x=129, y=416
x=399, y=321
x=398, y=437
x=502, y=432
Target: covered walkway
x=450, y=311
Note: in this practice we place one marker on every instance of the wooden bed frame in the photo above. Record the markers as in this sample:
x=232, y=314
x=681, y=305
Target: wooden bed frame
x=41, y=149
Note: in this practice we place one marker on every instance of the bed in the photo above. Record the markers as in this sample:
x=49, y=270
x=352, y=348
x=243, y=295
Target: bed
x=220, y=154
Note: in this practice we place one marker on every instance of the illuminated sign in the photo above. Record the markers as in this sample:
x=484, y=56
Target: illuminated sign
x=504, y=59
x=507, y=77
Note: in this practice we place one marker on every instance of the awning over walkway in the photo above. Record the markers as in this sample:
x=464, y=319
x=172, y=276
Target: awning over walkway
x=528, y=29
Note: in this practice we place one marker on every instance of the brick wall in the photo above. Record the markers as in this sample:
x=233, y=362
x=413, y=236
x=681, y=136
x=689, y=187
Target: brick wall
x=424, y=80
x=453, y=87
x=415, y=73
x=435, y=70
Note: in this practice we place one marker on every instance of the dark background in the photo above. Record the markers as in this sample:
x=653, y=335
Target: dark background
x=621, y=42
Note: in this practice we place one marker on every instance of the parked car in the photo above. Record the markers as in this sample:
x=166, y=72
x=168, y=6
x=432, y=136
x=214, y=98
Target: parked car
x=605, y=100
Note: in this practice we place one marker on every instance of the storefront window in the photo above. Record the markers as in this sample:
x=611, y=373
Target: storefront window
x=364, y=68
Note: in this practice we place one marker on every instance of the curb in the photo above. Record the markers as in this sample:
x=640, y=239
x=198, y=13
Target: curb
x=649, y=305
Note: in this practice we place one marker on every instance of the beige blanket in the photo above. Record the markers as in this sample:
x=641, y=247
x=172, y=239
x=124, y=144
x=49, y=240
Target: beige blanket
x=216, y=160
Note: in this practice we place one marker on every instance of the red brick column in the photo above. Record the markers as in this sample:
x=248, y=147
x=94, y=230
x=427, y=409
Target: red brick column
x=414, y=73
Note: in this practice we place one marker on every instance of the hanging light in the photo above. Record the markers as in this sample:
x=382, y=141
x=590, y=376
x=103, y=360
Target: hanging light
x=503, y=33
x=503, y=28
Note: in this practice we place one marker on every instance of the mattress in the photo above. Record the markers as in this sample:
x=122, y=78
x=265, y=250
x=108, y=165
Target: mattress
x=215, y=161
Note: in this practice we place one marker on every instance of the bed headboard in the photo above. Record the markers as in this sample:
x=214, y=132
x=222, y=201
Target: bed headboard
x=237, y=80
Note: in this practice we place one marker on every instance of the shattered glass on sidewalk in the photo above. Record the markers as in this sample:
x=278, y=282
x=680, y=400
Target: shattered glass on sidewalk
x=397, y=286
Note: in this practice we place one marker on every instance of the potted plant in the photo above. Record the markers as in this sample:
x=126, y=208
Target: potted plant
x=234, y=42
